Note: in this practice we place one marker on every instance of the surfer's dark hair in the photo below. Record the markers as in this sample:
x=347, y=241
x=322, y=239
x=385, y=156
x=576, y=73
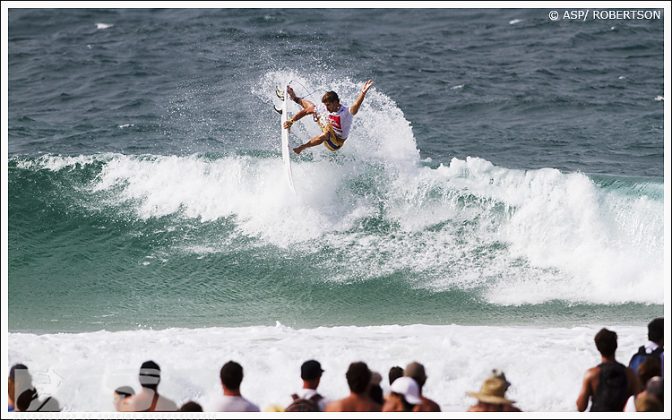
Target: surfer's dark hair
x=330, y=96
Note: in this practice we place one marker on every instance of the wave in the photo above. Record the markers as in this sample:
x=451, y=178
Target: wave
x=522, y=236
x=375, y=209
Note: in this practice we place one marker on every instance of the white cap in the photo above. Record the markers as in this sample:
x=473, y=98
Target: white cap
x=408, y=388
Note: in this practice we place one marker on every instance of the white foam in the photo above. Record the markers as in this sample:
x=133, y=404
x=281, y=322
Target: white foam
x=521, y=236
x=466, y=225
x=57, y=162
x=658, y=98
x=545, y=365
x=514, y=21
x=104, y=25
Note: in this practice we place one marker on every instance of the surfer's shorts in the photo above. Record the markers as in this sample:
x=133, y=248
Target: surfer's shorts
x=333, y=142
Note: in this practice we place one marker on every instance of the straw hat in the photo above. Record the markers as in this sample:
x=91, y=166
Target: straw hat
x=493, y=390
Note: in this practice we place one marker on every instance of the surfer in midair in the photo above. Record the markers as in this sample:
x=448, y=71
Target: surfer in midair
x=334, y=118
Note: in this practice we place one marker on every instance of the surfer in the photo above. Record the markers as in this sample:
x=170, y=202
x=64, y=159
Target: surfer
x=334, y=118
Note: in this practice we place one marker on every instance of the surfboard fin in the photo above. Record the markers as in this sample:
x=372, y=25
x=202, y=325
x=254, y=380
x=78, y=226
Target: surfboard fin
x=279, y=93
x=279, y=111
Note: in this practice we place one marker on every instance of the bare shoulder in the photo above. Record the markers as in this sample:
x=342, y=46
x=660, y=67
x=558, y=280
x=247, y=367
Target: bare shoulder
x=592, y=373
x=333, y=406
x=433, y=405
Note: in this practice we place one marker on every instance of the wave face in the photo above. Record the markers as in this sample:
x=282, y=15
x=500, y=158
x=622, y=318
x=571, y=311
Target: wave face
x=485, y=181
x=372, y=234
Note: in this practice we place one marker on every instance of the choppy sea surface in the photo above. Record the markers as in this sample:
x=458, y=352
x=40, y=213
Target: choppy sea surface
x=504, y=174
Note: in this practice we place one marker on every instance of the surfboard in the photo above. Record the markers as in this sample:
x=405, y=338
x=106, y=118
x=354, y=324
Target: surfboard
x=285, y=141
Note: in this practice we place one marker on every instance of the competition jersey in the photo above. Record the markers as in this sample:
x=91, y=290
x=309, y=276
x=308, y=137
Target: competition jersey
x=340, y=121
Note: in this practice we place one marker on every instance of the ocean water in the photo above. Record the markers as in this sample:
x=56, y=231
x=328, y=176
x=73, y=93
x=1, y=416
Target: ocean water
x=503, y=180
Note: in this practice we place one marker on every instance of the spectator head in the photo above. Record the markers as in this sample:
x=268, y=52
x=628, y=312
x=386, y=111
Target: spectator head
x=606, y=342
x=408, y=389
x=656, y=331
x=191, y=406
x=120, y=394
x=375, y=391
x=19, y=380
x=376, y=378
x=231, y=375
x=649, y=368
x=647, y=403
x=395, y=372
x=416, y=371
x=493, y=390
x=150, y=375
x=359, y=377
x=311, y=370
x=18, y=370
x=124, y=391
x=654, y=387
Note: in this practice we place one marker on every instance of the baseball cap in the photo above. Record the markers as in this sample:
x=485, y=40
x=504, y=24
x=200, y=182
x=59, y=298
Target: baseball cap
x=311, y=369
x=407, y=387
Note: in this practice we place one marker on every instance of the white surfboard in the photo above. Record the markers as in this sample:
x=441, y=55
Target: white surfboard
x=285, y=142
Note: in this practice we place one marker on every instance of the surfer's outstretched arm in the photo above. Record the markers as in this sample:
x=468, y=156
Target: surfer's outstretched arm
x=358, y=102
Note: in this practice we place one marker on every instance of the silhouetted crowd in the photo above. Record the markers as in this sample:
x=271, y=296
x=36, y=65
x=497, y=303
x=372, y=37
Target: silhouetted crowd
x=609, y=386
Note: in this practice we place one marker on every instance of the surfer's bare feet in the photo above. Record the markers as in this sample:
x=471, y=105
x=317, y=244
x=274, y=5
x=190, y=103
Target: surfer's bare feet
x=297, y=150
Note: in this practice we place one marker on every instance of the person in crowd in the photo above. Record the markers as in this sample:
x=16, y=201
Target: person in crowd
x=404, y=395
x=29, y=401
x=231, y=376
x=308, y=399
x=647, y=403
x=655, y=388
x=22, y=395
x=608, y=385
x=375, y=390
x=120, y=395
x=416, y=371
x=18, y=381
x=651, y=399
x=648, y=369
x=359, y=378
x=148, y=399
x=653, y=348
x=191, y=406
x=492, y=395
x=394, y=373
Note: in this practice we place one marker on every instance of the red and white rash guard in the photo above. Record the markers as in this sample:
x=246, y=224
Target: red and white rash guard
x=340, y=121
